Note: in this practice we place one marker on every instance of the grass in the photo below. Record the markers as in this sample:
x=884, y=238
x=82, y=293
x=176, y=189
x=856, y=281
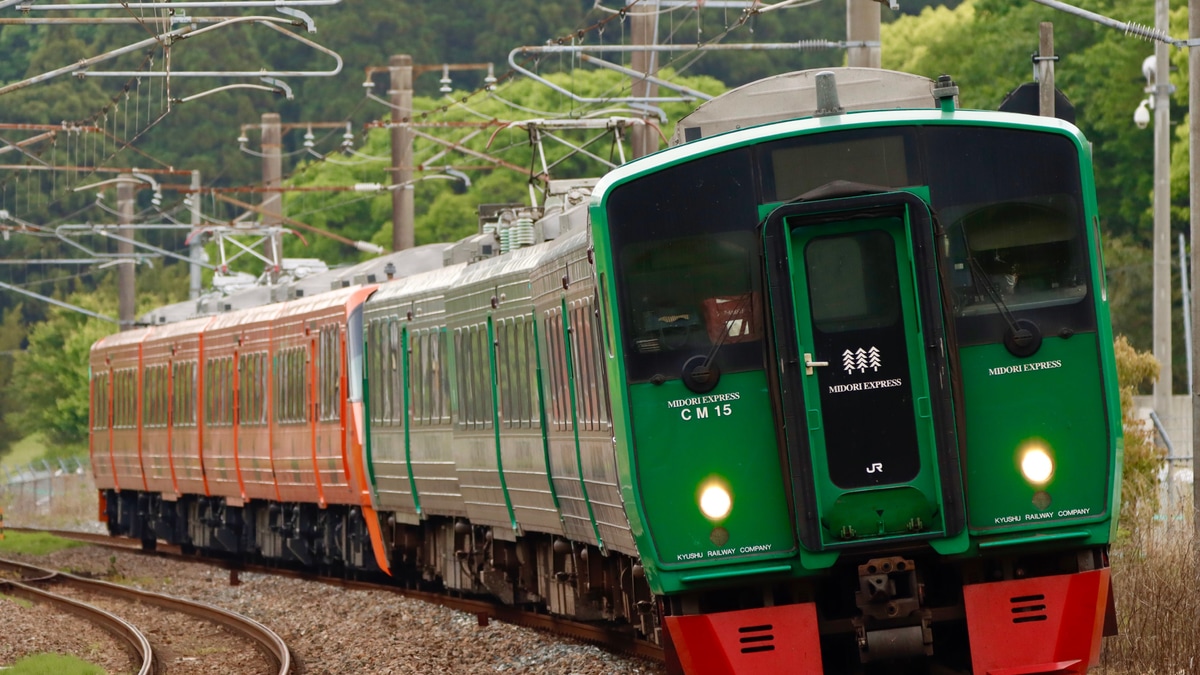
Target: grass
x=53, y=664
x=21, y=602
x=1155, y=572
x=37, y=543
x=24, y=451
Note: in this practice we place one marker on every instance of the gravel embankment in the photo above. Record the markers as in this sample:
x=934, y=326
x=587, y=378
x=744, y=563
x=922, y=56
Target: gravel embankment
x=330, y=631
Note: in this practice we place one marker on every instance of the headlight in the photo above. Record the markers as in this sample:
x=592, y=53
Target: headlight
x=1037, y=466
x=715, y=502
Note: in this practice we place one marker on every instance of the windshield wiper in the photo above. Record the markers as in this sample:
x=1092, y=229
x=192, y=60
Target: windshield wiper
x=1023, y=337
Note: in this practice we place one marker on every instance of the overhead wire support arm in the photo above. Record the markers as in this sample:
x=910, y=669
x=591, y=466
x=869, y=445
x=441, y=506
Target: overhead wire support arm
x=269, y=22
x=1129, y=28
x=187, y=4
x=687, y=93
x=83, y=64
x=59, y=303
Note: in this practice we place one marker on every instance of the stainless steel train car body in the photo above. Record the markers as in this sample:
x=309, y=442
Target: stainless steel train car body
x=409, y=397
x=498, y=450
x=575, y=394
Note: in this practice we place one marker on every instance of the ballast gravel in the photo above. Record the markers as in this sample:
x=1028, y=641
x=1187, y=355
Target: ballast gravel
x=330, y=630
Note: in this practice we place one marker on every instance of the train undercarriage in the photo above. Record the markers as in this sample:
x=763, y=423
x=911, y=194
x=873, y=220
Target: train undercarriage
x=538, y=571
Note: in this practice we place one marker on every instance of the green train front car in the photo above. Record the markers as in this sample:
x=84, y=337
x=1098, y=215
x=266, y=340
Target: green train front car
x=862, y=342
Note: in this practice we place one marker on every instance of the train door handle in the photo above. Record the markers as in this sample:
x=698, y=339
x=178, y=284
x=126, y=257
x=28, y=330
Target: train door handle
x=809, y=364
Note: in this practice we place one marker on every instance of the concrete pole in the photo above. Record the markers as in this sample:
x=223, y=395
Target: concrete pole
x=1046, y=69
x=1161, y=305
x=272, y=203
x=1194, y=223
x=195, y=249
x=400, y=94
x=862, y=24
x=643, y=21
x=126, y=299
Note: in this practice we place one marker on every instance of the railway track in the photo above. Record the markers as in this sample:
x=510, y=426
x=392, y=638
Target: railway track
x=611, y=639
x=164, y=635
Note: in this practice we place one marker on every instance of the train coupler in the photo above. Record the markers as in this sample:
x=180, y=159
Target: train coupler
x=893, y=622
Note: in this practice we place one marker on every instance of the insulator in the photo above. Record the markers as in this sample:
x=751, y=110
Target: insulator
x=523, y=233
x=506, y=243
x=1147, y=32
x=308, y=138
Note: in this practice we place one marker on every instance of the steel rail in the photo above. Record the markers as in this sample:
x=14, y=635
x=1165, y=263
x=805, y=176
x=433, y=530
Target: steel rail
x=265, y=640
x=613, y=639
x=129, y=636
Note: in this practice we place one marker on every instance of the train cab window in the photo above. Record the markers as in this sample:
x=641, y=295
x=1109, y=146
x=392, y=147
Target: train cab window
x=1023, y=254
x=1015, y=234
x=691, y=295
x=688, y=266
x=793, y=167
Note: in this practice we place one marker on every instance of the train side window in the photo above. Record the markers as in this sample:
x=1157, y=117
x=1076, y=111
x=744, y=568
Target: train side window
x=557, y=370
x=100, y=401
x=395, y=374
x=463, y=362
x=418, y=342
x=439, y=351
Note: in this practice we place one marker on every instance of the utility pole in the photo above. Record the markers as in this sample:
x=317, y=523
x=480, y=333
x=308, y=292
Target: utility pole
x=195, y=249
x=400, y=95
x=1046, y=69
x=862, y=24
x=1194, y=228
x=272, y=203
x=126, y=300
x=1160, y=90
x=643, y=21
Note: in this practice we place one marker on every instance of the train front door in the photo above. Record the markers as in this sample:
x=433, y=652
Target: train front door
x=865, y=373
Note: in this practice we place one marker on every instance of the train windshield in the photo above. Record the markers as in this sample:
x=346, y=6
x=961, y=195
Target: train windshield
x=688, y=267
x=1008, y=202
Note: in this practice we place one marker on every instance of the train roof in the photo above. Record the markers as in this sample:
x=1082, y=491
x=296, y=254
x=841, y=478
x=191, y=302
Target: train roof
x=794, y=95
x=178, y=330
x=122, y=339
x=339, y=298
x=435, y=280
x=404, y=263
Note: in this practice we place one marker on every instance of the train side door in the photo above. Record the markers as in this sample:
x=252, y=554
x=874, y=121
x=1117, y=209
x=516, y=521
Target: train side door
x=859, y=331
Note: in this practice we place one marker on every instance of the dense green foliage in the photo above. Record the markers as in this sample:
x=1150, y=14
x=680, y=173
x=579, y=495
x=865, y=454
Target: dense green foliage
x=446, y=209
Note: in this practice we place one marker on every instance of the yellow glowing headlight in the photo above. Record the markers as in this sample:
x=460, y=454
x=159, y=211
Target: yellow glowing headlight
x=1037, y=466
x=715, y=502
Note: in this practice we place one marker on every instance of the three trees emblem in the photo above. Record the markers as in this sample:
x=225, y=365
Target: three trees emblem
x=861, y=359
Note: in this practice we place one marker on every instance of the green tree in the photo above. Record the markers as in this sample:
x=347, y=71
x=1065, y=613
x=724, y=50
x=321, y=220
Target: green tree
x=53, y=373
x=12, y=334
x=445, y=211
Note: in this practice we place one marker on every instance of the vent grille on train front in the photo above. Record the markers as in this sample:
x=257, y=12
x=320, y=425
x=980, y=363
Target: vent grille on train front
x=1027, y=608
x=757, y=639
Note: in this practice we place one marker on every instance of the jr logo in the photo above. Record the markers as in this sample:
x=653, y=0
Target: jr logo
x=877, y=467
